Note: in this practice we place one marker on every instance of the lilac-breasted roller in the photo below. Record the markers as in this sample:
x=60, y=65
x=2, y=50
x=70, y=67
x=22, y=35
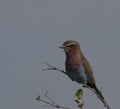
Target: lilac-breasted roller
x=77, y=66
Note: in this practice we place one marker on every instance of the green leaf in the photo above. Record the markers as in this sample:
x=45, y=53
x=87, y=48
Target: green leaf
x=78, y=95
x=38, y=98
x=81, y=105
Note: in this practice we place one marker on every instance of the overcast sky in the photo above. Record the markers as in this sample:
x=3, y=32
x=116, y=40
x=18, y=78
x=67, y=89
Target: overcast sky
x=30, y=34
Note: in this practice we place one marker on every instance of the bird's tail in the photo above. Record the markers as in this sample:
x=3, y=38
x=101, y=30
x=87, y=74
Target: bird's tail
x=99, y=94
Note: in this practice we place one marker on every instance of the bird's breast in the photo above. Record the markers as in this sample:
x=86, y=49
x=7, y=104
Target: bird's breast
x=72, y=62
x=78, y=75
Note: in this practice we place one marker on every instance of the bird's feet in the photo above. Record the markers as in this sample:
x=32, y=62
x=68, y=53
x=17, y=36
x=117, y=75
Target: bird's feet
x=85, y=85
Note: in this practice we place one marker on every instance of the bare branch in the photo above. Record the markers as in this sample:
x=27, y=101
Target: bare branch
x=54, y=68
x=50, y=102
x=102, y=100
x=50, y=99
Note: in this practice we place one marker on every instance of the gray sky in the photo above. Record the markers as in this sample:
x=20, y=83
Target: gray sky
x=30, y=34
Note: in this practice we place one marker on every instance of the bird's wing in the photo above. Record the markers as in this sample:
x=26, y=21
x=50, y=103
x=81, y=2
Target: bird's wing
x=88, y=69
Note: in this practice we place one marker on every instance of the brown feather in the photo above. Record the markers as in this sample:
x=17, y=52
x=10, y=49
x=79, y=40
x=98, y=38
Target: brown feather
x=88, y=69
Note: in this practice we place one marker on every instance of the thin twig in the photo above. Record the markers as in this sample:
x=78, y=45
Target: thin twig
x=102, y=100
x=54, y=68
x=50, y=99
x=51, y=103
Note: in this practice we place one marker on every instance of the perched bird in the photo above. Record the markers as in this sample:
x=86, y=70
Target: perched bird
x=78, y=68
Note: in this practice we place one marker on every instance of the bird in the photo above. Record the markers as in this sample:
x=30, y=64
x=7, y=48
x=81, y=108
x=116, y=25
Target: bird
x=78, y=68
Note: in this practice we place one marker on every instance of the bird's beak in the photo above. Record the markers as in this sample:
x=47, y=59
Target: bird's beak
x=62, y=46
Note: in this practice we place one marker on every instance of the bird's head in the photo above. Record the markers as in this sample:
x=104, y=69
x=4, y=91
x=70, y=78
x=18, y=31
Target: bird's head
x=70, y=46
